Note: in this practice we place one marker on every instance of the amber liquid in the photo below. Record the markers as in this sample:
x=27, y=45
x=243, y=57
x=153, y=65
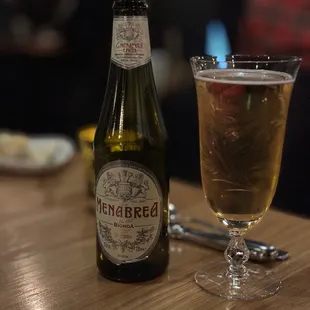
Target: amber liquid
x=242, y=120
x=86, y=140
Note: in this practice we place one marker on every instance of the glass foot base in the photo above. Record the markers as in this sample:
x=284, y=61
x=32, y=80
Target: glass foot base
x=259, y=283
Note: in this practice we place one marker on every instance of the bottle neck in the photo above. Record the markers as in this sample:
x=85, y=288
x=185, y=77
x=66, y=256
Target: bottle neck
x=130, y=8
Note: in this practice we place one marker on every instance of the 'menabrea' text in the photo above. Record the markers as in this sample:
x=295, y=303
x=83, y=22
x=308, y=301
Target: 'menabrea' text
x=127, y=212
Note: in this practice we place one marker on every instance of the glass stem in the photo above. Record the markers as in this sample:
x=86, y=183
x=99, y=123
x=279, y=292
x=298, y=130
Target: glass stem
x=237, y=254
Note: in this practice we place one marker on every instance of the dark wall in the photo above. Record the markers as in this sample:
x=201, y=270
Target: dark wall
x=59, y=92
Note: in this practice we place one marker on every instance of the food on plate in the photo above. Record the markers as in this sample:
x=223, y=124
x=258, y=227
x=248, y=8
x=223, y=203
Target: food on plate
x=19, y=147
x=13, y=145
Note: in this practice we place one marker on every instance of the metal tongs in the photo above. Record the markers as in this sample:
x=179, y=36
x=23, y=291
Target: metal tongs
x=259, y=252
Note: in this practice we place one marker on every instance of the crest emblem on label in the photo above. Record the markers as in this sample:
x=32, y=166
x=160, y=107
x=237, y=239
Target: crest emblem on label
x=128, y=211
x=131, y=42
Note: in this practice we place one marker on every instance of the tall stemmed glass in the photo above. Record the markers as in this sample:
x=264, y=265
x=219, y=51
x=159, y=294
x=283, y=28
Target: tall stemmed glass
x=242, y=106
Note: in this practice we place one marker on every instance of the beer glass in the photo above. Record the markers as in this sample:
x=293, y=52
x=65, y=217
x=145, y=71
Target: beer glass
x=242, y=107
x=86, y=139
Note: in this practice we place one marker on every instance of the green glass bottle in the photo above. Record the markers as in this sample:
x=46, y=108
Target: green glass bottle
x=130, y=151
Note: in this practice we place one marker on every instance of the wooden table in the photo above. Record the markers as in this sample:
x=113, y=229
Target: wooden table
x=47, y=256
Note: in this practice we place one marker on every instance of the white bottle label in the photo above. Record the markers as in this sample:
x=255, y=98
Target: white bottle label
x=128, y=210
x=130, y=42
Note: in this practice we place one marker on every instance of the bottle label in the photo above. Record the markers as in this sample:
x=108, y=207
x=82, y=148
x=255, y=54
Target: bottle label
x=128, y=210
x=131, y=42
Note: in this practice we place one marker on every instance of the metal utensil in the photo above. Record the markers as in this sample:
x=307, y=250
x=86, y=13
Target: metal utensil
x=175, y=217
x=259, y=251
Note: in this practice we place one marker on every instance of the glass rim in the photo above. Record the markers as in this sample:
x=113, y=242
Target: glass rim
x=255, y=59
x=82, y=132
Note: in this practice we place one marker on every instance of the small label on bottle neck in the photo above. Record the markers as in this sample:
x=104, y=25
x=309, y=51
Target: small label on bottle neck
x=131, y=42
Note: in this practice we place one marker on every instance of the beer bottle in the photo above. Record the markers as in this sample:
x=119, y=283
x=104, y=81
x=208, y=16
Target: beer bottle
x=130, y=147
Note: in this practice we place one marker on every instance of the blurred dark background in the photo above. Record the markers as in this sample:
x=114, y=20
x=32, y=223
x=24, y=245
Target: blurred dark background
x=54, y=60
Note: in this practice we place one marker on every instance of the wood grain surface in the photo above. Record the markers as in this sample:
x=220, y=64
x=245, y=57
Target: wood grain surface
x=47, y=253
